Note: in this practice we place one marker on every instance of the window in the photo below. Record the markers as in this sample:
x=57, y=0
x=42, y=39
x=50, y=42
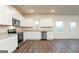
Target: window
x=72, y=27
x=36, y=23
x=59, y=26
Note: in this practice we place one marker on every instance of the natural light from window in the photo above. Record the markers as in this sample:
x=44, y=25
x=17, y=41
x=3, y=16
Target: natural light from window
x=59, y=26
x=36, y=23
x=72, y=26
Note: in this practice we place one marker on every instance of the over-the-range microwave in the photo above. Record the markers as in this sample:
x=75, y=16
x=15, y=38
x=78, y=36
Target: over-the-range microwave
x=15, y=22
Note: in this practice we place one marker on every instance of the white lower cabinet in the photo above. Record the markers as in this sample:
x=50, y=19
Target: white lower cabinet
x=37, y=35
x=13, y=43
x=50, y=35
x=9, y=44
x=32, y=36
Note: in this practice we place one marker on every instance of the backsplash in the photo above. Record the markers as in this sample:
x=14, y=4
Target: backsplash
x=3, y=29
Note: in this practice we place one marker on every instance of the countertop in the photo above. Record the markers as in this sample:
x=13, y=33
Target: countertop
x=36, y=30
x=5, y=35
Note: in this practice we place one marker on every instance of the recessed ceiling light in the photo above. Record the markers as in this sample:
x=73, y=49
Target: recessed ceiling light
x=52, y=10
x=31, y=10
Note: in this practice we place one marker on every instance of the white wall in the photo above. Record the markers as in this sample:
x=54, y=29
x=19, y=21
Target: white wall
x=65, y=18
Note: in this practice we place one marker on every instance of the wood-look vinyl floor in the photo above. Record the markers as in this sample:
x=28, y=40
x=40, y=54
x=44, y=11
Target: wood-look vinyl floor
x=49, y=46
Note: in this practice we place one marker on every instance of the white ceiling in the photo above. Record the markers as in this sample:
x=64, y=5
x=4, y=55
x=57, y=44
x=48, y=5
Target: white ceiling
x=46, y=9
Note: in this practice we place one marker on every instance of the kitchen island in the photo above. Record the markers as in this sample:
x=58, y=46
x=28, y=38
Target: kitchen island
x=8, y=43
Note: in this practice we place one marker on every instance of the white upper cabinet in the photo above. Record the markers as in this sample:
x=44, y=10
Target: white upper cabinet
x=46, y=22
x=7, y=13
x=43, y=22
x=22, y=23
x=5, y=16
x=1, y=15
x=16, y=14
x=28, y=22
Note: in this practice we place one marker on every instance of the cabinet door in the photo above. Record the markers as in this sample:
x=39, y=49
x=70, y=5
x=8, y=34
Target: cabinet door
x=28, y=22
x=4, y=45
x=32, y=35
x=22, y=23
x=13, y=43
x=9, y=44
x=46, y=22
x=7, y=16
x=50, y=35
x=1, y=15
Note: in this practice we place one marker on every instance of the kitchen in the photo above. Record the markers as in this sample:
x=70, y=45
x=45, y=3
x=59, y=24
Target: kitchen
x=17, y=27
x=14, y=25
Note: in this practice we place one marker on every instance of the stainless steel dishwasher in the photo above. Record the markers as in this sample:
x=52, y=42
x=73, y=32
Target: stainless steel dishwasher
x=44, y=35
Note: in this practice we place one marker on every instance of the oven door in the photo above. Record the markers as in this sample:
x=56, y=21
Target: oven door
x=20, y=37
